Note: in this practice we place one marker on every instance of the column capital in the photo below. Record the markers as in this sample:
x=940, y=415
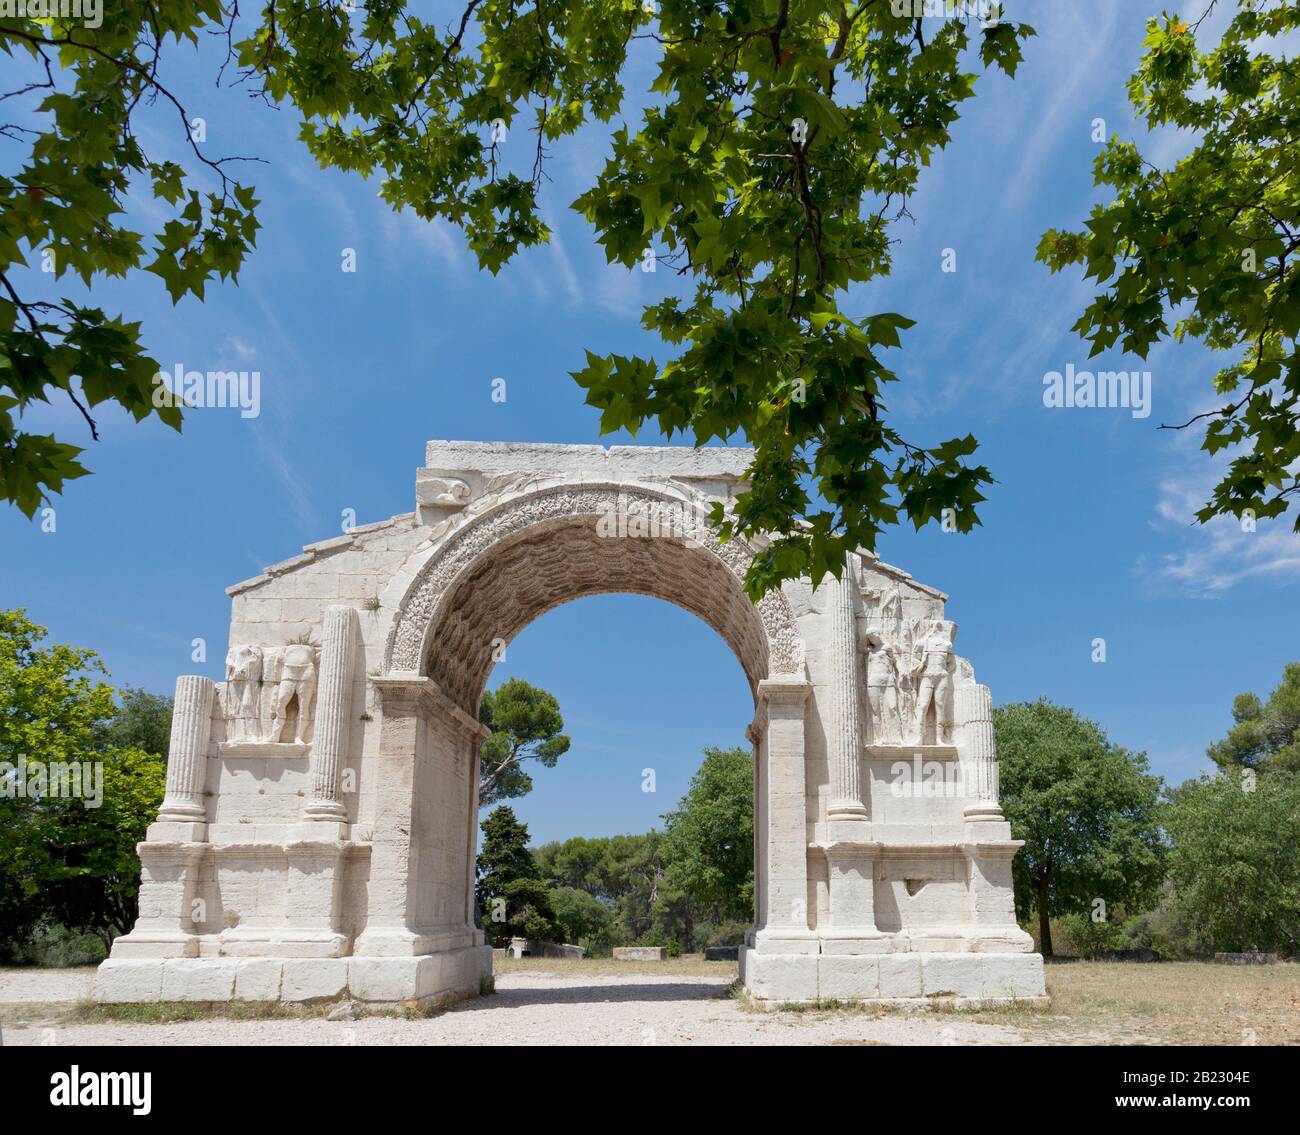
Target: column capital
x=784, y=689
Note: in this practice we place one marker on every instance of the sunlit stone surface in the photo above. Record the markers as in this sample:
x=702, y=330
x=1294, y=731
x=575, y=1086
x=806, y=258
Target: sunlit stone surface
x=318, y=836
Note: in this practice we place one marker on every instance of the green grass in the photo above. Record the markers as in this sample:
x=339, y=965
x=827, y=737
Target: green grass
x=168, y=1012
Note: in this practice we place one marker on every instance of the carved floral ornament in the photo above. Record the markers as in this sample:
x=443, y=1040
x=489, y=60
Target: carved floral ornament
x=624, y=512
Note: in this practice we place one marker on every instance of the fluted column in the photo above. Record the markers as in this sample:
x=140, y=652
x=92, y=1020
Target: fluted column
x=980, y=754
x=332, y=732
x=846, y=726
x=187, y=751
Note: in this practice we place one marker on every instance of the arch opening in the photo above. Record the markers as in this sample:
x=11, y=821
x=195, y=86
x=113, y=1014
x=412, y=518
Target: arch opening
x=551, y=564
x=646, y=690
x=509, y=565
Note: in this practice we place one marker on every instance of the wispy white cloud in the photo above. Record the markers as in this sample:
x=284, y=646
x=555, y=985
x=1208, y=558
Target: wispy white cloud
x=1210, y=559
x=405, y=234
x=245, y=352
x=1075, y=54
x=297, y=493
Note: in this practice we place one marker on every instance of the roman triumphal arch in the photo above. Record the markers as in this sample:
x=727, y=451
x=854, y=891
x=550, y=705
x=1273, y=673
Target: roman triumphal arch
x=317, y=838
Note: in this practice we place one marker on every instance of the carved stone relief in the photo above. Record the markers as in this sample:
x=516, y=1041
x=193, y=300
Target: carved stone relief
x=910, y=668
x=449, y=492
x=262, y=684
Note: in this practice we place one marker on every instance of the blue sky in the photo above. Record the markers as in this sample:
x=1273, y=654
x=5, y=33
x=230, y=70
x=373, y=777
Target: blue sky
x=1087, y=534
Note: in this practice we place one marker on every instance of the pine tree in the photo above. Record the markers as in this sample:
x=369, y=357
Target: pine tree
x=513, y=899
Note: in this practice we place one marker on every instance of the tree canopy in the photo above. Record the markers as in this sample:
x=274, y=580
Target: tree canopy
x=624, y=873
x=709, y=837
x=142, y=721
x=526, y=725
x=775, y=145
x=68, y=859
x=1235, y=860
x=1086, y=809
x=1265, y=735
x=513, y=899
x=1207, y=248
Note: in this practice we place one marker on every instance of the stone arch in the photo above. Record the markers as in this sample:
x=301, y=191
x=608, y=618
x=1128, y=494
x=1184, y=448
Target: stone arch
x=369, y=893
x=521, y=558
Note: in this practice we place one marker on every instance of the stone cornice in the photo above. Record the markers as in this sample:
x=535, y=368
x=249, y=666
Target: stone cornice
x=418, y=688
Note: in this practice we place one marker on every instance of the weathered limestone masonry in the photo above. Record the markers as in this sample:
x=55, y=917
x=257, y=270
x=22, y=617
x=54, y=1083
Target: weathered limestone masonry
x=318, y=834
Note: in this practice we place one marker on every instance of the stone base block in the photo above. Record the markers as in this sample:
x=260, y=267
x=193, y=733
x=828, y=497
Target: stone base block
x=914, y=978
x=165, y=831
x=281, y=944
x=155, y=944
x=313, y=979
x=1014, y=977
x=258, y=979
x=429, y=979
x=779, y=977
x=198, y=979
x=123, y=980
x=900, y=977
x=640, y=953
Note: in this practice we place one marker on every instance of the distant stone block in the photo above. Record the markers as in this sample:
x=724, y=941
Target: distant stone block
x=1248, y=958
x=640, y=953
x=721, y=953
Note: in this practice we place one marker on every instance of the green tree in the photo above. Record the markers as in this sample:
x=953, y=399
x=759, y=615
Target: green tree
x=512, y=896
x=624, y=872
x=95, y=881
x=1266, y=735
x=1207, y=249
x=686, y=887
x=1235, y=860
x=142, y=721
x=1087, y=810
x=778, y=141
x=708, y=847
x=583, y=920
x=66, y=859
x=526, y=725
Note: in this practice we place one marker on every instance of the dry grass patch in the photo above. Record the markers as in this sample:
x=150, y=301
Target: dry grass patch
x=1161, y=1003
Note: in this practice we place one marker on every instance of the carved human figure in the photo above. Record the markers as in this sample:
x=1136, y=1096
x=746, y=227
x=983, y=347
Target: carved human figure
x=882, y=695
x=239, y=701
x=272, y=663
x=934, y=687
x=296, y=676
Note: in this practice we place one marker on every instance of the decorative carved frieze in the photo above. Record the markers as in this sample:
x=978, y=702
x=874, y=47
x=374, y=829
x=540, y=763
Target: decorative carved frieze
x=550, y=533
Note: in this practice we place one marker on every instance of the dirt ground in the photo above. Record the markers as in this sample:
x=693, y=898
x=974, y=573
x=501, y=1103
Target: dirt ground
x=689, y=1001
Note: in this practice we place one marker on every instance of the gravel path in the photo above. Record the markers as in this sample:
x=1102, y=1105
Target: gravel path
x=18, y=985
x=544, y=1009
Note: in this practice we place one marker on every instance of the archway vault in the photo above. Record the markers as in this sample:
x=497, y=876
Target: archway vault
x=508, y=566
